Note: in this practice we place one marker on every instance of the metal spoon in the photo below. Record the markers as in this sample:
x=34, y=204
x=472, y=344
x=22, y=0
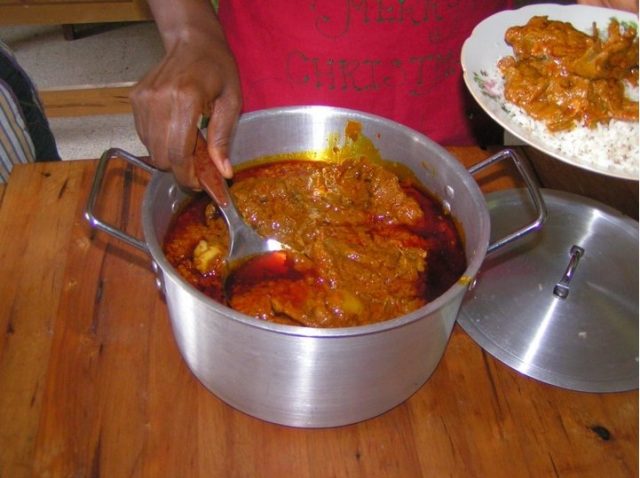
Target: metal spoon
x=244, y=241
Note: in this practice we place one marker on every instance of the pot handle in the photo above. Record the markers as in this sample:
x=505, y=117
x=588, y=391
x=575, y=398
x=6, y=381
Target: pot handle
x=534, y=192
x=95, y=189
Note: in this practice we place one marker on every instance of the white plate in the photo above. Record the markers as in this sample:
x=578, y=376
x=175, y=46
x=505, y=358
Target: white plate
x=486, y=45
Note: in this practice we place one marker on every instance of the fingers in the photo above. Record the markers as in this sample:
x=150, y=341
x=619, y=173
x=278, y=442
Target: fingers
x=220, y=132
x=168, y=101
x=165, y=115
x=141, y=98
x=181, y=137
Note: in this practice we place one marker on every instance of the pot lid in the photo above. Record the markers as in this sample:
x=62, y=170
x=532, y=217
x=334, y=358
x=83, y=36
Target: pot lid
x=561, y=304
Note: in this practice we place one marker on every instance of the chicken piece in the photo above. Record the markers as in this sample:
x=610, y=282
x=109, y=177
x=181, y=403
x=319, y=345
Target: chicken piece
x=615, y=58
x=566, y=78
x=204, y=255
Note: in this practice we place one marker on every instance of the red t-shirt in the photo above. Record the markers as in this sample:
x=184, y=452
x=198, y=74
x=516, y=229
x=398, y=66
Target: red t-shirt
x=396, y=58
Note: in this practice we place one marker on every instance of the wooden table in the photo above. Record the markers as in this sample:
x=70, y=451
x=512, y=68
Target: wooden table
x=92, y=384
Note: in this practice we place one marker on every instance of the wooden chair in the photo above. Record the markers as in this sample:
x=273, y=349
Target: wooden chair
x=77, y=101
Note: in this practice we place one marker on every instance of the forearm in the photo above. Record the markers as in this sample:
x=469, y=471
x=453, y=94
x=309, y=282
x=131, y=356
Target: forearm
x=189, y=21
x=197, y=76
x=629, y=5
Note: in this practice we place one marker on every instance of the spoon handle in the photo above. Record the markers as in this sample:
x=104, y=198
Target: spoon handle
x=210, y=178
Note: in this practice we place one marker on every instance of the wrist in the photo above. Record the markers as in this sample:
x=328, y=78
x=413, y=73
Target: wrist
x=192, y=22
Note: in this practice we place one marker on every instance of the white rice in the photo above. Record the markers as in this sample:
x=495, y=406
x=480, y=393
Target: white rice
x=611, y=148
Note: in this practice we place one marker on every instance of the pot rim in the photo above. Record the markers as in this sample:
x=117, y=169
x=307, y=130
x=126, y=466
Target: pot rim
x=459, y=288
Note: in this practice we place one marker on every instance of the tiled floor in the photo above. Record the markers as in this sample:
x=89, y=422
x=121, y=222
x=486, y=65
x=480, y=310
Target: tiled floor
x=103, y=54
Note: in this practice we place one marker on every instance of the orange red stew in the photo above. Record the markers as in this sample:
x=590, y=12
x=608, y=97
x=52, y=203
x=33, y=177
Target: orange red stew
x=367, y=246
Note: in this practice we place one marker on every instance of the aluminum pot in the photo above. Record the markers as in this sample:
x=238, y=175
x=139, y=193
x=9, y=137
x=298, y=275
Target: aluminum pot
x=307, y=377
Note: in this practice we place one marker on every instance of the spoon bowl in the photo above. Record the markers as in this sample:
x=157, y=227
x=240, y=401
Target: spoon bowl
x=244, y=241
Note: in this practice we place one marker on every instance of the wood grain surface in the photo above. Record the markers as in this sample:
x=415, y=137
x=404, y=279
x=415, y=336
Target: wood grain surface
x=86, y=101
x=92, y=383
x=56, y=12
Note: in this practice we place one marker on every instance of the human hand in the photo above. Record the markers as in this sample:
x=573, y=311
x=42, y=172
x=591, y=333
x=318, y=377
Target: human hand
x=628, y=5
x=198, y=76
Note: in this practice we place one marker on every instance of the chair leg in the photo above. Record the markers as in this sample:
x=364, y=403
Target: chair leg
x=69, y=32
